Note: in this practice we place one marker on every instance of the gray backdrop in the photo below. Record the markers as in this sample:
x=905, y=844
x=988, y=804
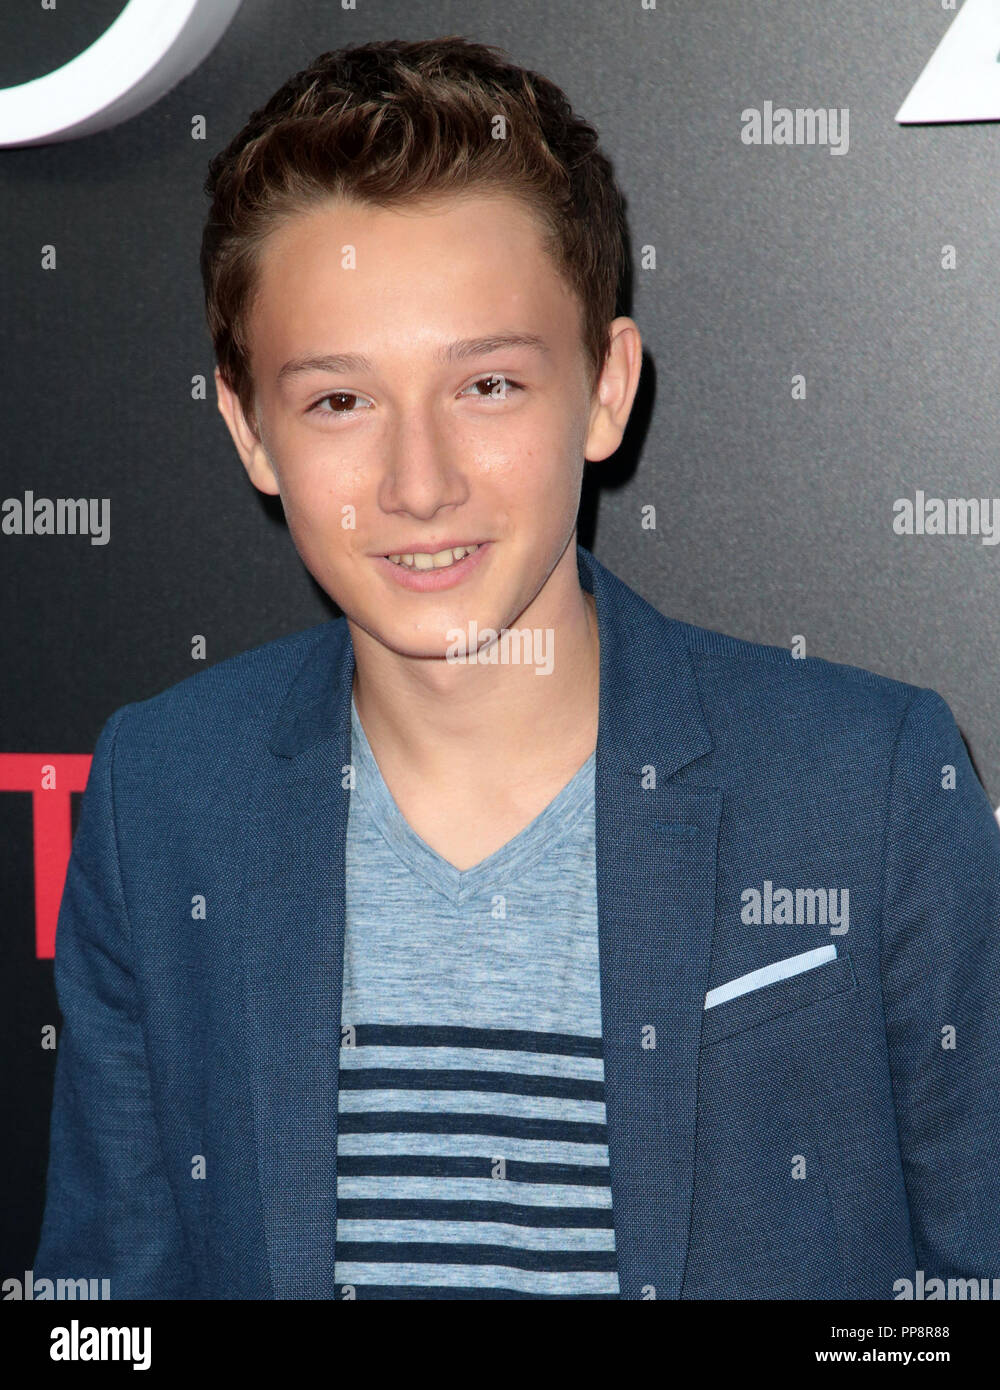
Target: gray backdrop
x=774, y=514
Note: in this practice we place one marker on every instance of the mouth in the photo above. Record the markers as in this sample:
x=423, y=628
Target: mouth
x=433, y=560
x=431, y=571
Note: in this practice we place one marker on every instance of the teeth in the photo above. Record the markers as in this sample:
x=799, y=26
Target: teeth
x=441, y=560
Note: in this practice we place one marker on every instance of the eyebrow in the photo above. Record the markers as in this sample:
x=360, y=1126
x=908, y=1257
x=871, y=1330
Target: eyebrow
x=454, y=352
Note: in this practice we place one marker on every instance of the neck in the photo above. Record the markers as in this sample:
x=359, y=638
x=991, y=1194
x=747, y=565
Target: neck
x=465, y=720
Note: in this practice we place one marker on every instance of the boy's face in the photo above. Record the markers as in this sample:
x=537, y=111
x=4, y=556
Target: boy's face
x=433, y=439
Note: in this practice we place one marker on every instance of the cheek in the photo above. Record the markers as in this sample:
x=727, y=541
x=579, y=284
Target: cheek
x=319, y=526
x=540, y=462
x=317, y=491
x=554, y=475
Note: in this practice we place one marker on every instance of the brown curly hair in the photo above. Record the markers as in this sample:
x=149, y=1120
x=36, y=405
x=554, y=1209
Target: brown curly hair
x=390, y=122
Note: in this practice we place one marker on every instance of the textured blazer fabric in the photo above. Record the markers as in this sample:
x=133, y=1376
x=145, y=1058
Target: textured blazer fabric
x=820, y=1135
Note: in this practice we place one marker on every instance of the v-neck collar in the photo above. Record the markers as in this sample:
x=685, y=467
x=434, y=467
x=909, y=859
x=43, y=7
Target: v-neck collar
x=459, y=885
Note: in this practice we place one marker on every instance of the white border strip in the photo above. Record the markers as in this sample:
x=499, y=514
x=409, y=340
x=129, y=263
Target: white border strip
x=769, y=974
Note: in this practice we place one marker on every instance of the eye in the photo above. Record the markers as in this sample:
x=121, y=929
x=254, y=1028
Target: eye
x=336, y=396
x=500, y=386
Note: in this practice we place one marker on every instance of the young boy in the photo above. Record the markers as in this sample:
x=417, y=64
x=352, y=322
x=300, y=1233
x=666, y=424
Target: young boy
x=503, y=938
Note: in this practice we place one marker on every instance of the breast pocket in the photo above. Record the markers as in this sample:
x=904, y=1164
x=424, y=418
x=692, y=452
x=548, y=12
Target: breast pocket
x=771, y=1001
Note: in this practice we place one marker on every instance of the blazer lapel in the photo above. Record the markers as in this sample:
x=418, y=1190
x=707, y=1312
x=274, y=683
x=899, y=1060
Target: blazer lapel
x=656, y=873
x=293, y=966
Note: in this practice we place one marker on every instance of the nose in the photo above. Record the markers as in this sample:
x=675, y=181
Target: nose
x=422, y=470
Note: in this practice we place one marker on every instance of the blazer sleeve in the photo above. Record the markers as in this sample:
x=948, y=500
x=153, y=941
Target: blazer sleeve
x=940, y=968
x=109, y=1211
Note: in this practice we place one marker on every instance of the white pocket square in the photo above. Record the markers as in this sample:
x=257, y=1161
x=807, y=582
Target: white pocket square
x=769, y=974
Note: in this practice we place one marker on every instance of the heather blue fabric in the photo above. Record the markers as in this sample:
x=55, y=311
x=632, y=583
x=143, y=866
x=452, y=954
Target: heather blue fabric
x=720, y=764
x=472, y=1155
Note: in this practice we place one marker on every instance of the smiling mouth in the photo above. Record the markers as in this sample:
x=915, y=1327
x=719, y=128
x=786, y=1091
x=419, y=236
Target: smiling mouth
x=442, y=559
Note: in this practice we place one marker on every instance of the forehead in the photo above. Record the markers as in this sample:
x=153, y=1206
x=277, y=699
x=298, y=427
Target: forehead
x=424, y=273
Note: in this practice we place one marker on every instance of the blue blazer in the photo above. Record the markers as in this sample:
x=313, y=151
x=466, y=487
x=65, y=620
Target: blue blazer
x=820, y=1136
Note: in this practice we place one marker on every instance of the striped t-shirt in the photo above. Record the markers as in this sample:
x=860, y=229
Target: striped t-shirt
x=472, y=1157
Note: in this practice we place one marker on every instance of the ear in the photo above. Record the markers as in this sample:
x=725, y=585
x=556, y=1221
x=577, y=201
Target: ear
x=248, y=444
x=615, y=390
